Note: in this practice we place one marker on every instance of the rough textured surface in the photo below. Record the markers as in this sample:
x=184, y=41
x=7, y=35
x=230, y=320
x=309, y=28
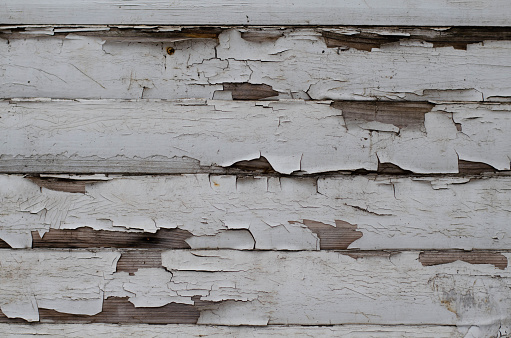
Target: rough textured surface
x=355, y=212
x=259, y=12
x=121, y=331
x=294, y=136
x=226, y=287
x=299, y=64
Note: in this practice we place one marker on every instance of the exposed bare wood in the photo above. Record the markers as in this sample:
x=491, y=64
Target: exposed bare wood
x=428, y=258
x=120, y=310
x=248, y=91
x=367, y=38
x=334, y=238
x=90, y=238
x=133, y=260
x=471, y=168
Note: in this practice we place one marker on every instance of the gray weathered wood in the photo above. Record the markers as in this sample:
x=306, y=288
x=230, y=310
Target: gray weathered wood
x=258, y=12
x=199, y=331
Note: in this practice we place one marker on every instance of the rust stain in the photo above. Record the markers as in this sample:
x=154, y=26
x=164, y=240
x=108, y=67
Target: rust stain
x=334, y=238
x=89, y=238
x=449, y=306
x=399, y=114
x=249, y=91
x=428, y=258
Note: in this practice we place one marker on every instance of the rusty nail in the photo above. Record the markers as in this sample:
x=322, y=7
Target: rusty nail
x=170, y=50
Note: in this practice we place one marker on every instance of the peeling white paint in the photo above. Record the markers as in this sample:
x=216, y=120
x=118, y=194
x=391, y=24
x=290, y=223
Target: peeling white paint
x=122, y=331
x=305, y=288
x=293, y=135
x=391, y=212
x=66, y=282
x=298, y=64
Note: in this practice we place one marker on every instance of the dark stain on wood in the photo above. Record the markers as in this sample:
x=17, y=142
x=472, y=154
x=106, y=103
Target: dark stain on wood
x=474, y=168
x=259, y=165
x=456, y=37
x=248, y=91
x=133, y=260
x=4, y=245
x=85, y=237
x=130, y=34
x=334, y=238
x=390, y=168
x=399, y=114
x=428, y=258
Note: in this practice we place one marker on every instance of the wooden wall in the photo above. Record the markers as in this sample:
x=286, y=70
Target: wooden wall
x=269, y=168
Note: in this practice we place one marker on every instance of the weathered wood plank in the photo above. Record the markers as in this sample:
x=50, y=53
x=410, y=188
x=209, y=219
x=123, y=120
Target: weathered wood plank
x=259, y=12
x=207, y=211
x=296, y=136
x=255, y=288
x=121, y=331
x=302, y=63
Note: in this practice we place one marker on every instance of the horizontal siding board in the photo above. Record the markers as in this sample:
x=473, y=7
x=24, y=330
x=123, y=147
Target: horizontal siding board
x=343, y=212
x=260, y=12
x=121, y=331
x=295, y=63
x=194, y=136
x=256, y=288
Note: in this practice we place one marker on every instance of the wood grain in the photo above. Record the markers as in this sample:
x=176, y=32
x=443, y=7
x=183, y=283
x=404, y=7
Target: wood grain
x=300, y=64
x=259, y=12
x=217, y=136
x=255, y=288
x=264, y=213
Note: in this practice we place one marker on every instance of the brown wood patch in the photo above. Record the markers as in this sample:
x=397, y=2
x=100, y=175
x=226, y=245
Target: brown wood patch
x=248, y=91
x=120, y=310
x=131, y=261
x=89, y=238
x=58, y=184
x=334, y=238
x=428, y=258
x=390, y=168
x=399, y=114
x=4, y=245
x=456, y=37
x=260, y=164
x=473, y=168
